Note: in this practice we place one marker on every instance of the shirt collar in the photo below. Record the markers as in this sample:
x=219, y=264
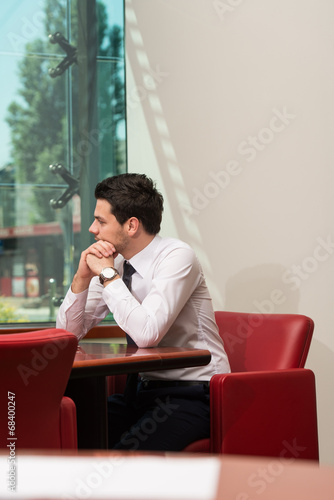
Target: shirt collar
x=142, y=261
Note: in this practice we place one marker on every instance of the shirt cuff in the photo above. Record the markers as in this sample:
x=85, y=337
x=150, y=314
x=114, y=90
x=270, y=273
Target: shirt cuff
x=114, y=292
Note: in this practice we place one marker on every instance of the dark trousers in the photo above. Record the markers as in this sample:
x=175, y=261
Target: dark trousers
x=159, y=419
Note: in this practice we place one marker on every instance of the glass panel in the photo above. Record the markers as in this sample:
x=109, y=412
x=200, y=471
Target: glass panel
x=62, y=120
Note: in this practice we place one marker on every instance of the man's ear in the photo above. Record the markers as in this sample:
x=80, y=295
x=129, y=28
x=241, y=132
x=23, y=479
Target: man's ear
x=133, y=225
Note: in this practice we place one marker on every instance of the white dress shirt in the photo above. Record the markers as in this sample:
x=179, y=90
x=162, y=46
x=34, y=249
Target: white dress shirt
x=169, y=305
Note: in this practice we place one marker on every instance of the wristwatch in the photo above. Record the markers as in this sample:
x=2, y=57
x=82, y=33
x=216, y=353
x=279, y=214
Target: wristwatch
x=108, y=274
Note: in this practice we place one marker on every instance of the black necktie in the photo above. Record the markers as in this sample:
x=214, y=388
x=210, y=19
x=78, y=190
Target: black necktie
x=128, y=271
x=132, y=378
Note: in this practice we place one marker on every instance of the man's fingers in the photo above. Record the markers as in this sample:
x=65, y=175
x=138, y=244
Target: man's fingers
x=96, y=264
x=102, y=249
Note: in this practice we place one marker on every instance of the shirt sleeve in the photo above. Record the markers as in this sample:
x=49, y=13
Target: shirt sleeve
x=79, y=312
x=175, y=277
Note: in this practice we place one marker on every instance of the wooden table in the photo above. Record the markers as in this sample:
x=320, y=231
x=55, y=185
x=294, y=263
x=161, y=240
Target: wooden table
x=96, y=359
x=114, y=356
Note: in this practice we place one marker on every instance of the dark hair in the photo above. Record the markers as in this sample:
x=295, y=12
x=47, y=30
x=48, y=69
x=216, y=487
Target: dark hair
x=133, y=195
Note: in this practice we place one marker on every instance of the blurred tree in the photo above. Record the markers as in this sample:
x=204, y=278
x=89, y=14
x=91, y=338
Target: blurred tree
x=43, y=117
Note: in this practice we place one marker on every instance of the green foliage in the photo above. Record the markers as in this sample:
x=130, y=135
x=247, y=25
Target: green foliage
x=43, y=119
x=7, y=313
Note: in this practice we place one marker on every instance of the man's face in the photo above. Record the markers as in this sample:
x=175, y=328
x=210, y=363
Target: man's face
x=106, y=227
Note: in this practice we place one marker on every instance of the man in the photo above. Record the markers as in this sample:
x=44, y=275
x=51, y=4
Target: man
x=167, y=303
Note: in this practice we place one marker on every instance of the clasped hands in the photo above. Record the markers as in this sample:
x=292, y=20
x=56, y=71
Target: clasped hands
x=96, y=257
x=100, y=255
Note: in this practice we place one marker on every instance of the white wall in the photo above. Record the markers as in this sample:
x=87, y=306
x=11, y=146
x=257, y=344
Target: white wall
x=231, y=111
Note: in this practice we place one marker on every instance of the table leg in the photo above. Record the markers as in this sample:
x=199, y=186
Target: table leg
x=90, y=397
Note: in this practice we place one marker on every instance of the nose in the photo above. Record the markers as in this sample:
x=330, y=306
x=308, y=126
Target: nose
x=93, y=228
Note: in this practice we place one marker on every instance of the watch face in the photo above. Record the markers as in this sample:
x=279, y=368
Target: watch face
x=108, y=272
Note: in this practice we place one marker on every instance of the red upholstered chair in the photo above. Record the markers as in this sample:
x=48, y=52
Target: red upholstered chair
x=266, y=406
x=34, y=371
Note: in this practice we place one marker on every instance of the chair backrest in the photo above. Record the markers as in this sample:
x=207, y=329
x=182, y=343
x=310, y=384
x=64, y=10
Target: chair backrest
x=256, y=342
x=34, y=371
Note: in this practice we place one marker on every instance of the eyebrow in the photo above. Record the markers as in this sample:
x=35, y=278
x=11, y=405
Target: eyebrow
x=99, y=218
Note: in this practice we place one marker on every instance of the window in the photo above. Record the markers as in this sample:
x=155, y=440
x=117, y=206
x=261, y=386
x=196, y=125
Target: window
x=62, y=123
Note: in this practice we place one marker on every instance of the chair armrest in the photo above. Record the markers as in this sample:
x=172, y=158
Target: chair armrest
x=268, y=413
x=68, y=424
